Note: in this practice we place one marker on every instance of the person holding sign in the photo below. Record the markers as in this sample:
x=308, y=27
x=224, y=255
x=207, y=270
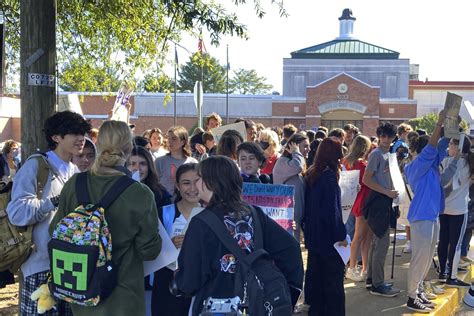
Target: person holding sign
x=428, y=202
x=356, y=159
x=323, y=228
x=378, y=210
x=453, y=221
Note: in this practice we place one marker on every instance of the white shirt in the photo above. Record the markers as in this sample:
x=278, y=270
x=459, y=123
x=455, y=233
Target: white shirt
x=64, y=169
x=457, y=200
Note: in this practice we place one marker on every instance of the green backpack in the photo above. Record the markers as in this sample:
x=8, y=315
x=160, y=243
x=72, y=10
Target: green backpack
x=16, y=243
x=80, y=249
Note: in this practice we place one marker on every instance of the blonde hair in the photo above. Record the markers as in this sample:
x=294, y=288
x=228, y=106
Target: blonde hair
x=359, y=148
x=271, y=137
x=114, y=146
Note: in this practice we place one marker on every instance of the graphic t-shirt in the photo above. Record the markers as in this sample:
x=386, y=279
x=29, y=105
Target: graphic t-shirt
x=242, y=231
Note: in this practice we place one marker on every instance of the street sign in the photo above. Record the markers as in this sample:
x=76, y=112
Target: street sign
x=44, y=80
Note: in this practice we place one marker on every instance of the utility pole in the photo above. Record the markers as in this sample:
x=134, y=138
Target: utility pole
x=2, y=55
x=37, y=71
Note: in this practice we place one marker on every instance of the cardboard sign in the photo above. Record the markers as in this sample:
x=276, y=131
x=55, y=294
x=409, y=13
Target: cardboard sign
x=452, y=107
x=276, y=200
x=239, y=127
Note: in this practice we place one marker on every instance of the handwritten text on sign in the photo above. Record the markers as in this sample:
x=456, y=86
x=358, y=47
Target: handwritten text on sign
x=40, y=80
x=276, y=200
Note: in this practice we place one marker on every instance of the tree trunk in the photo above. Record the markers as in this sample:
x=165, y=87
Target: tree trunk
x=38, y=56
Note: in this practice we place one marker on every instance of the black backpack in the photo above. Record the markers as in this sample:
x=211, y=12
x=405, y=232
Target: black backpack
x=259, y=283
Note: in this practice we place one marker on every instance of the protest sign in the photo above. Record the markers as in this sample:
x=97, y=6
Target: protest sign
x=120, y=108
x=276, y=200
x=168, y=253
x=348, y=182
x=397, y=179
x=239, y=127
x=452, y=107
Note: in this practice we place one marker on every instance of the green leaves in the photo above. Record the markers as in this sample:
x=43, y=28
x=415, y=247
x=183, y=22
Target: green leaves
x=248, y=82
x=100, y=42
x=202, y=67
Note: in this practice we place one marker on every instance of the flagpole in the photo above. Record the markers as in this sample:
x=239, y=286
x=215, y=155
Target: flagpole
x=227, y=89
x=175, y=83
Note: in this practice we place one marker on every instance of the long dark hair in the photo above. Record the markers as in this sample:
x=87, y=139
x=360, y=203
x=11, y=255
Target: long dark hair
x=221, y=175
x=179, y=172
x=151, y=180
x=228, y=144
x=296, y=138
x=327, y=156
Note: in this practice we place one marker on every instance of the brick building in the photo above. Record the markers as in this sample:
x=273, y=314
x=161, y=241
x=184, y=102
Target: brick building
x=341, y=81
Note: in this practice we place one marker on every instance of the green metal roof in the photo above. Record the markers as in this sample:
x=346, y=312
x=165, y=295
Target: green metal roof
x=345, y=49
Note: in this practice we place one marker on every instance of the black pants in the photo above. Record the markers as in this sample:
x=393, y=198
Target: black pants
x=162, y=302
x=451, y=232
x=324, y=285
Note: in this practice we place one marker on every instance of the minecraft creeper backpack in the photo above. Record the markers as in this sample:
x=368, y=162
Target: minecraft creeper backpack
x=80, y=249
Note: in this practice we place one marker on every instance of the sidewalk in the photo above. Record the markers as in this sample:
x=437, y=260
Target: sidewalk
x=360, y=302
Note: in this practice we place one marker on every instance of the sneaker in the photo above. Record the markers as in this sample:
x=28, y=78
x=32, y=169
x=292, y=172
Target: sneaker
x=456, y=283
x=438, y=290
x=464, y=264
x=368, y=284
x=429, y=291
x=407, y=248
x=354, y=275
x=424, y=300
x=466, y=259
x=442, y=277
x=416, y=305
x=462, y=270
x=385, y=291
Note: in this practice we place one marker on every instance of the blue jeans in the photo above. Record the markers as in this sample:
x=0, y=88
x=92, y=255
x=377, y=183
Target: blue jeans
x=465, y=242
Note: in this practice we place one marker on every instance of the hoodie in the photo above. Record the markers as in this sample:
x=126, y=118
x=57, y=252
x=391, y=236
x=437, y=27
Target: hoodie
x=424, y=178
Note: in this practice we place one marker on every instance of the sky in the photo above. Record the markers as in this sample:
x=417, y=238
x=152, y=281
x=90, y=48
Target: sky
x=437, y=35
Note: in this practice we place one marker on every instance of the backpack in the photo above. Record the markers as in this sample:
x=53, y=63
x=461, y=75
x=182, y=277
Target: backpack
x=16, y=242
x=80, y=249
x=259, y=283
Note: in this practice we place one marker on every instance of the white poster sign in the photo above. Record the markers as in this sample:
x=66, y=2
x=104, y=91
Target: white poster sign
x=349, y=183
x=168, y=254
x=397, y=179
x=239, y=127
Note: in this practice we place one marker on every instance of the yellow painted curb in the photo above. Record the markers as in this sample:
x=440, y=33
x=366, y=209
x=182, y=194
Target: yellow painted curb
x=447, y=303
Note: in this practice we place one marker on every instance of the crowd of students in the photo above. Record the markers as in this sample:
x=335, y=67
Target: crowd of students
x=179, y=176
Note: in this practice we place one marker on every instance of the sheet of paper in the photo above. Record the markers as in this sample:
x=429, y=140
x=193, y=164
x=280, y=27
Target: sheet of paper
x=348, y=182
x=397, y=179
x=344, y=252
x=168, y=253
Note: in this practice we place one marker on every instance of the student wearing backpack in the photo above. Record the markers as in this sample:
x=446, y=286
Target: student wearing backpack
x=175, y=217
x=64, y=133
x=132, y=220
x=207, y=268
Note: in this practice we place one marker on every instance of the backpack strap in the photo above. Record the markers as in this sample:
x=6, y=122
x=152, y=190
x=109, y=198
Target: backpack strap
x=114, y=192
x=168, y=217
x=82, y=192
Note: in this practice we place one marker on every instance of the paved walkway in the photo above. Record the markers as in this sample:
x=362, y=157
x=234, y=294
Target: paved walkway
x=359, y=302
